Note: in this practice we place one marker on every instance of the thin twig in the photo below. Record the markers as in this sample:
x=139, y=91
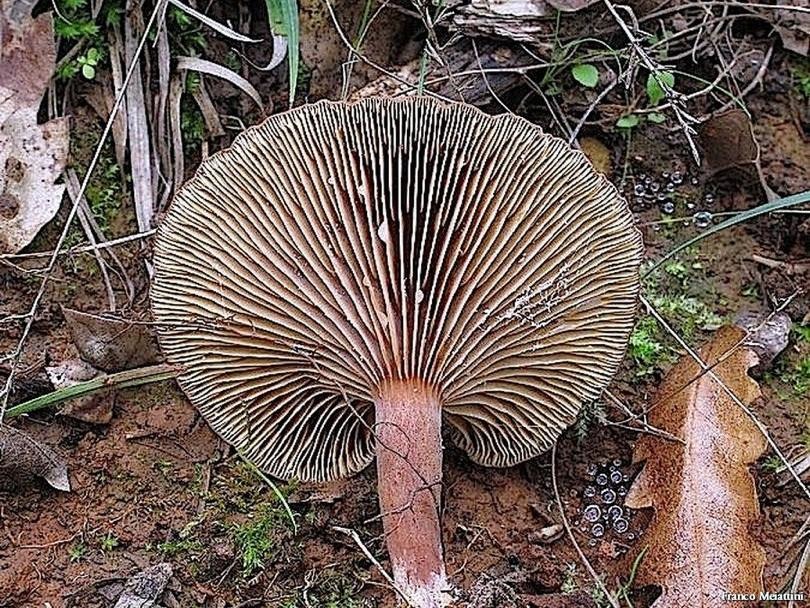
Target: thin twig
x=570, y=532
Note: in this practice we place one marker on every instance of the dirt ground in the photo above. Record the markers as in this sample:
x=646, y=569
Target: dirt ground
x=156, y=485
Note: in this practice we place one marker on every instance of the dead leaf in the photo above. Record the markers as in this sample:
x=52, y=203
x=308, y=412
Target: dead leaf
x=793, y=26
x=727, y=141
x=145, y=588
x=770, y=335
x=702, y=492
x=111, y=345
x=598, y=153
x=96, y=408
x=22, y=457
x=32, y=156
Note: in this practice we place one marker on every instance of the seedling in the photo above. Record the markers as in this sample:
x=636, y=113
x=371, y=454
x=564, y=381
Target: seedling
x=109, y=542
x=77, y=552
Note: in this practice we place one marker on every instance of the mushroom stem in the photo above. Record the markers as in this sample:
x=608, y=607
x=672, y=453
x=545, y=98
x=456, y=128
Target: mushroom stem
x=409, y=472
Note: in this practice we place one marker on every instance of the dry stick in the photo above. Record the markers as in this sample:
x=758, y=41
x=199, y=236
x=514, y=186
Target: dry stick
x=570, y=532
x=708, y=371
x=572, y=138
x=371, y=63
x=683, y=117
x=356, y=538
x=84, y=212
x=17, y=353
x=80, y=248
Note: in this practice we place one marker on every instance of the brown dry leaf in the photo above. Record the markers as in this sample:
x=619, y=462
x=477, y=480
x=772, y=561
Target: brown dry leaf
x=111, y=345
x=727, y=141
x=32, y=156
x=22, y=457
x=699, y=544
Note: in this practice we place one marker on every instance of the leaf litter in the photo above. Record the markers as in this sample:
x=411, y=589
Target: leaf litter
x=23, y=457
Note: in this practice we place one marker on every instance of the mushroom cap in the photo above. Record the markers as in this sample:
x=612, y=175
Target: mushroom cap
x=337, y=246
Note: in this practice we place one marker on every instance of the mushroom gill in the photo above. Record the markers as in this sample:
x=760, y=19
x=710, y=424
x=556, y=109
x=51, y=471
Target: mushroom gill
x=345, y=276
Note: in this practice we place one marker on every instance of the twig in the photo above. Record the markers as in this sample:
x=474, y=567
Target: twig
x=685, y=119
x=80, y=248
x=570, y=532
x=356, y=538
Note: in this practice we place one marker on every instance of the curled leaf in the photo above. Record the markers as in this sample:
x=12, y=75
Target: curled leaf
x=22, y=457
x=220, y=71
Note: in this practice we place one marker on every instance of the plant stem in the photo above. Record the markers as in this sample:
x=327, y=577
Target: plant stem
x=125, y=379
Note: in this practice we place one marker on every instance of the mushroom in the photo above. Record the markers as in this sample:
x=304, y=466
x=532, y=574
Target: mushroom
x=347, y=276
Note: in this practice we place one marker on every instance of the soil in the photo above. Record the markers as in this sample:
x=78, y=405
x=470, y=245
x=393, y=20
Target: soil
x=155, y=484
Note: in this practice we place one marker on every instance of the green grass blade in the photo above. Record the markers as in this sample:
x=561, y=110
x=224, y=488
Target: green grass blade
x=125, y=379
x=744, y=216
x=283, y=16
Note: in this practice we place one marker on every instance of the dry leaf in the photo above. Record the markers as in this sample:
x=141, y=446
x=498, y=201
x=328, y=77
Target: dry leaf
x=32, y=156
x=96, y=408
x=111, y=345
x=144, y=589
x=727, y=141
x=699, y=544
x=22, y=457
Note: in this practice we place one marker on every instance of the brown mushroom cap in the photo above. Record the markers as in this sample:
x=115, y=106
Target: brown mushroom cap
x=337, y=246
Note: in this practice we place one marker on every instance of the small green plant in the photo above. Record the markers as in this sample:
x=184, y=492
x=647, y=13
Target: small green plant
x=656, y=92
x=646, y=347
x=569, y=584
x=77, y=552
x=772, y=464
x=801, y=79
x=180, y=546
x=109, y=542
x=257, y=538
x=88, y=62
x=798, y=376
x=628, y=121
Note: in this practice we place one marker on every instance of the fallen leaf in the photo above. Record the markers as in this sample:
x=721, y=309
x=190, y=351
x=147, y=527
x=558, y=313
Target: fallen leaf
x=32, y=156
x=727, y=141
x=111, y=345
x=701, y=490
x=598, y=153
x=793, y=26
x=770, y=335
x=144, y=588
x=22, y=457
x=95, y=409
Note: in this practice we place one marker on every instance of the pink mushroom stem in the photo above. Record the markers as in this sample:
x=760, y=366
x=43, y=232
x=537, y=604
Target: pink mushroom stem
x=409, y=471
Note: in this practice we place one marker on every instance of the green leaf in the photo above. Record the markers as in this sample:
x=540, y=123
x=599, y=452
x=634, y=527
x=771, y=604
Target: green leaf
x=92, y=56
x=627, y=122
x=656, y=117
x=585, y=74
x=655, y=92
x=88, y=71
x=283, y=17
